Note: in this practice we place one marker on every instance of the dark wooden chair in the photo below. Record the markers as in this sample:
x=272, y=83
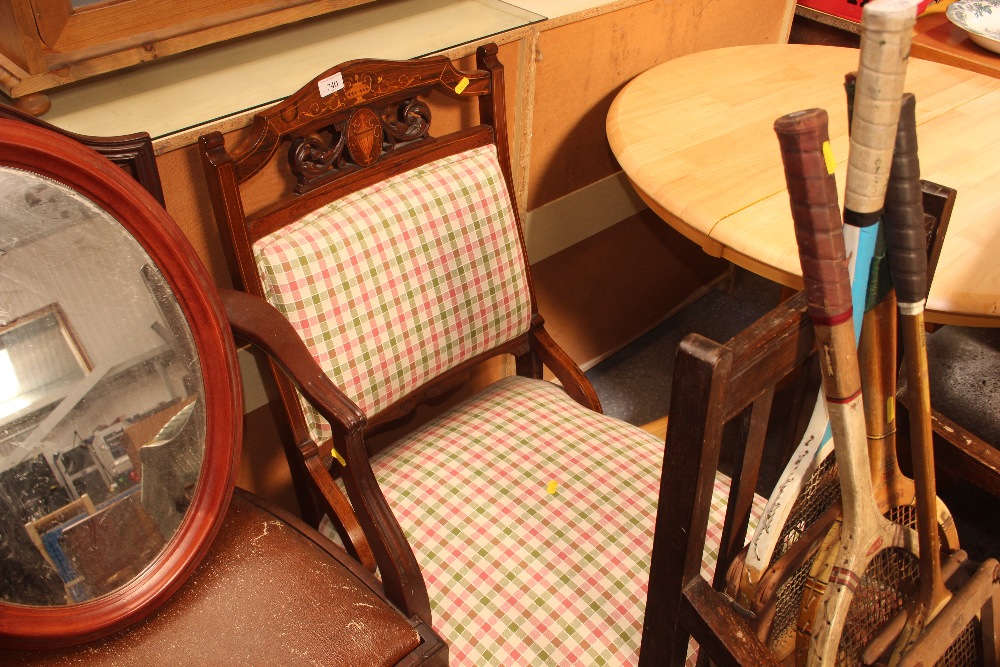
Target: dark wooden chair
x=270, y=590
x=721, y=405
x=521, y=520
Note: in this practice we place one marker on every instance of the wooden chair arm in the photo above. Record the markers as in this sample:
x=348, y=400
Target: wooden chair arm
x=260, y=324
x=719, y=630
x=565, y=369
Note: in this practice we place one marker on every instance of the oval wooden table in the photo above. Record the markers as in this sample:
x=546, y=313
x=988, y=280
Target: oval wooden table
x=695, y=137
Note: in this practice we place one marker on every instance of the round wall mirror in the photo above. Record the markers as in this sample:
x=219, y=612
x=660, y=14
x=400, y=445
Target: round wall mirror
x=120, y=408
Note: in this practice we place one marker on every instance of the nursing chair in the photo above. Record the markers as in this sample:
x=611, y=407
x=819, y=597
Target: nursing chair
x=519, y=521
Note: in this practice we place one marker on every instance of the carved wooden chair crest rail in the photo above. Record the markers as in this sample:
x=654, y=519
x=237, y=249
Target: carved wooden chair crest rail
x=520, y=521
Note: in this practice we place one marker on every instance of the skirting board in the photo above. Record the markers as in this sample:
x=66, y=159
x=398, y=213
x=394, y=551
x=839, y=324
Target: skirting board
x=579, y=215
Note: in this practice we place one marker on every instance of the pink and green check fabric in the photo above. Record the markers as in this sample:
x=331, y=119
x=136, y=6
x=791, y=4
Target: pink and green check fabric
x=516, y=575
x=399, y=282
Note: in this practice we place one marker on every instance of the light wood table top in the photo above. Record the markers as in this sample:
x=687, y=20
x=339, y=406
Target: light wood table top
x=695, y=137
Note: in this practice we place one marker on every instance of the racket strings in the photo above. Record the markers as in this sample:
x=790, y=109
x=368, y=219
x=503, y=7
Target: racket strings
x=820, y=493
x=891, y=580
x=966, y=651
x=788, y=602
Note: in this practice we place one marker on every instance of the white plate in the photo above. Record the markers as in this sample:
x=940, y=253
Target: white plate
x=979, y=18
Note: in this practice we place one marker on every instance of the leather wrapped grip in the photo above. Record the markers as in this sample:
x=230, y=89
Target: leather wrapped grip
x=904, y=212
x=819, y=231
x=886, y=31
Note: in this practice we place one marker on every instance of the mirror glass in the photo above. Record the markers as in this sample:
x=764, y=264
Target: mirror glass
x=102, y=423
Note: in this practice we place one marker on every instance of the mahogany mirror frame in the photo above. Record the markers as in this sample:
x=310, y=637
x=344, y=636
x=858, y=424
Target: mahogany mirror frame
x=48, y=154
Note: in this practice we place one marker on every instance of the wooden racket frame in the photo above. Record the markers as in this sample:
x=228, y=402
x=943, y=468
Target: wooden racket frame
x=979, y=596
x=905, y=238
x=753, y=581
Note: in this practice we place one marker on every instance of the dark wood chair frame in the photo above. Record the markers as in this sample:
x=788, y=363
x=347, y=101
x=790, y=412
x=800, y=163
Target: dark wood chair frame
x=721, y=401
x=325, y=171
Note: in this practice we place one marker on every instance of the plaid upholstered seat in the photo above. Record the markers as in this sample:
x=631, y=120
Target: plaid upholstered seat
x=521, y=572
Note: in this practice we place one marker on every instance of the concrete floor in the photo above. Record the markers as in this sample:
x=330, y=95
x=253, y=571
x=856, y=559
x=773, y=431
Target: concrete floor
x=634, y=385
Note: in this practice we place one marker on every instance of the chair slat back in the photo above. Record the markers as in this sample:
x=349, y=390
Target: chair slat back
x=720, y=412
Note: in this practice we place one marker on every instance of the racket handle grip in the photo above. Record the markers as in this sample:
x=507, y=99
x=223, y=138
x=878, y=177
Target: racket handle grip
x=886, y=32
x=904, y=212
x=805, y=153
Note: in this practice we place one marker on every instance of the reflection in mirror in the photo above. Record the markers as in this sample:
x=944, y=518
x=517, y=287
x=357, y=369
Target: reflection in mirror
x=102, y=423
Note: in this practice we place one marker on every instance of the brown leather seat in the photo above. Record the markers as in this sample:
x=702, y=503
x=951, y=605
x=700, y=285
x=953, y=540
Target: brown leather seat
x=270, y=591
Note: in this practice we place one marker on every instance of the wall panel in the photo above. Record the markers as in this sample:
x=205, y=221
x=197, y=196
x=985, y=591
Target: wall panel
x=581, y=66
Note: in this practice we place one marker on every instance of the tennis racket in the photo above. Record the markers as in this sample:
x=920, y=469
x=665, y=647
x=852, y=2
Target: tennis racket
x=864, y=531
x=904, y=216
x=768, y=582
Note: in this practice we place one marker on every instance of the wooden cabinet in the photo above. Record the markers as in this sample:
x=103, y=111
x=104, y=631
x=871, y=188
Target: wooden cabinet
x=48, y=43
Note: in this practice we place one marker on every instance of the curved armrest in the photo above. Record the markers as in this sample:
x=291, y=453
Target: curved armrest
x=565, y=369
x=720, y=631
x=260, y=324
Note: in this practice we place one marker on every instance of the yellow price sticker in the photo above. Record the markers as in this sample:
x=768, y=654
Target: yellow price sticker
x=551, y=488
x=462, y=85
x=337, y=456
x=890, y=409
x=831, y=162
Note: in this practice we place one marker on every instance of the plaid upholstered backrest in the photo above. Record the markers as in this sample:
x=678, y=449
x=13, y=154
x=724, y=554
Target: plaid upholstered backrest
x=398, y=282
